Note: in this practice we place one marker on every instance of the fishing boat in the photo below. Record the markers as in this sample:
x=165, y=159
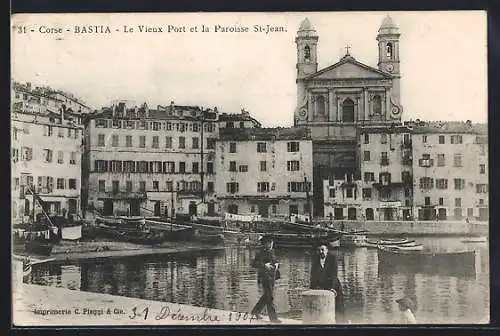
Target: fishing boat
x=40, y=247
x=474, y=240
x=213, y=239
x=389, y=242
x=307, y=240
x=395, y=257
x=111, y=221
x=409, y=247
x=393, y=241
x=353, y=240
x=143, y=238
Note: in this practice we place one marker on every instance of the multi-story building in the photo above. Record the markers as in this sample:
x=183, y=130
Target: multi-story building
x=36, y=99
x=144, y=161
x=334, y=101
x=342, y=197
x=386, y=172
x=46, y=154
x=450, y=171
x=264, y=171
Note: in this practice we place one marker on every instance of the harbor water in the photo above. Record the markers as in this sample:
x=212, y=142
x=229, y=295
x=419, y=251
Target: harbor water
x=223, y=279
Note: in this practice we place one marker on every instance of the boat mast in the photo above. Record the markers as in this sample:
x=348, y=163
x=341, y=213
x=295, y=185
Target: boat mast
x=37, y=198
x=306, y=186
x=202, y=170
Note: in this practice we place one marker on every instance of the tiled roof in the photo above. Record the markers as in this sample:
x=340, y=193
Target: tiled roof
x=255, y=134
x=449, y=127
x=165, y=113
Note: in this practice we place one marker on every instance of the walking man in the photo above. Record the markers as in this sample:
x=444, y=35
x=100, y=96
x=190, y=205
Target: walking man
x=324, y=276
x=267, y=267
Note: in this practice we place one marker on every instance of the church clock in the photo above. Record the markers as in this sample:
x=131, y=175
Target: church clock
x=389, y=68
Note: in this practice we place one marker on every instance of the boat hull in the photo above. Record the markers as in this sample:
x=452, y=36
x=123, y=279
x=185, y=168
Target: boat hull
x=464, y=261
x=474, y=240
x=352, y=241
x=302, y=240
x=39, y=247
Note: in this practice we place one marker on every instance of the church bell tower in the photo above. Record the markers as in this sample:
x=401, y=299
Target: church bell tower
x=307, y=64
x=388, y=55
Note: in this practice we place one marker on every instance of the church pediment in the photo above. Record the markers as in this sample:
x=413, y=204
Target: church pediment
x=349, y=69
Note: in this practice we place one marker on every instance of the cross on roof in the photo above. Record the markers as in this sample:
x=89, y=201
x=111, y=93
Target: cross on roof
x=347, y=47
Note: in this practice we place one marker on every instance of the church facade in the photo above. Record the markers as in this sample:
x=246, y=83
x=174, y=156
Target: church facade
x=336, y=102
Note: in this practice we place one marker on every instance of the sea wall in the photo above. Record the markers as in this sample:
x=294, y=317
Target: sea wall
x=431, y=228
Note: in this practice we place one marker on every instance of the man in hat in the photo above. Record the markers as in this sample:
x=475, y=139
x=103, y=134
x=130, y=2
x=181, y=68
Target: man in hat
x=324, y=276
x=408, y=308
x=267, y=267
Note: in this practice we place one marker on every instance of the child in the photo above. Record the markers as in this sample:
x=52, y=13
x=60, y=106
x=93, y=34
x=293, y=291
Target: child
x=408, y=308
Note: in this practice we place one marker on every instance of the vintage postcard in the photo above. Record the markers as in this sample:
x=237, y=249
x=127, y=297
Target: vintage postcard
x=249, y=168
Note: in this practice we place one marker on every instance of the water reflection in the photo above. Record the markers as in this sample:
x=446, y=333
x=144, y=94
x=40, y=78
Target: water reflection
x=225, y=280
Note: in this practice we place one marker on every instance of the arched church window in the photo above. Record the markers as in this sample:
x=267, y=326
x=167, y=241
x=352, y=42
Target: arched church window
x=348, y=110
x=307, y=53
x=320, y=105
x=377, y=105
x=388, y=50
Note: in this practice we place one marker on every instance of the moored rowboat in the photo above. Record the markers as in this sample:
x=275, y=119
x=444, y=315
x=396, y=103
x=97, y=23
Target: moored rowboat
x=395, y=256
x=474, y=240
x=413, y=247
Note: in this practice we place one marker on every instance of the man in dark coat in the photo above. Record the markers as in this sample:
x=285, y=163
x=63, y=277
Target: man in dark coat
x=267, y=267
x=324, y=276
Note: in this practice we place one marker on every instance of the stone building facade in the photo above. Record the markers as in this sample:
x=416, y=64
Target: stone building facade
x=46, y=150
x=151, y=162
x=264, y=171
x=333, y=102
x=450, y=167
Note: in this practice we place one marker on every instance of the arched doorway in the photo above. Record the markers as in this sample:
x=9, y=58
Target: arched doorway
x=211, y=208
x=72, y=204
x=338, y=213
x=232, y=209
x=348, y=110
x=157, y=209
x=351, y=213
x=369, y=214
x=192, y=208
x=108, y=207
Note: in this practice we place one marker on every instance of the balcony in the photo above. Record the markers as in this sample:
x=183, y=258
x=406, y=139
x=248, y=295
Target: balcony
x=426, y=163
x=407, y=144
x=121, y=195
x=408, y=180
x=388, y=185
x=384, y=161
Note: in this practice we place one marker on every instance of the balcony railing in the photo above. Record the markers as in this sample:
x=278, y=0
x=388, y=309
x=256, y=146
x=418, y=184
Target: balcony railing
x=407, y=144
x=384, y=162
x=407, y=161
x=426, y=163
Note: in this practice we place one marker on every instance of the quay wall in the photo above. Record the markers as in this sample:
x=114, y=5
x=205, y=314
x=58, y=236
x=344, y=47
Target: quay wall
x=416, y=228
x=36, y=305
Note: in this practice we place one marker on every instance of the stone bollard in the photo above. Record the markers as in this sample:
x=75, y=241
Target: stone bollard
x=318, y=307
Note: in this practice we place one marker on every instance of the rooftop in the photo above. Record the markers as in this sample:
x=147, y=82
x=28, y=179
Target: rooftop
x=120, y=110
x=455, y=127
x=45, y=91
x=256, y=134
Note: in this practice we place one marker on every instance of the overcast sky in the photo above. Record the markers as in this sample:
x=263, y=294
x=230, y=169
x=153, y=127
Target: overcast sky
x=443, y=60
